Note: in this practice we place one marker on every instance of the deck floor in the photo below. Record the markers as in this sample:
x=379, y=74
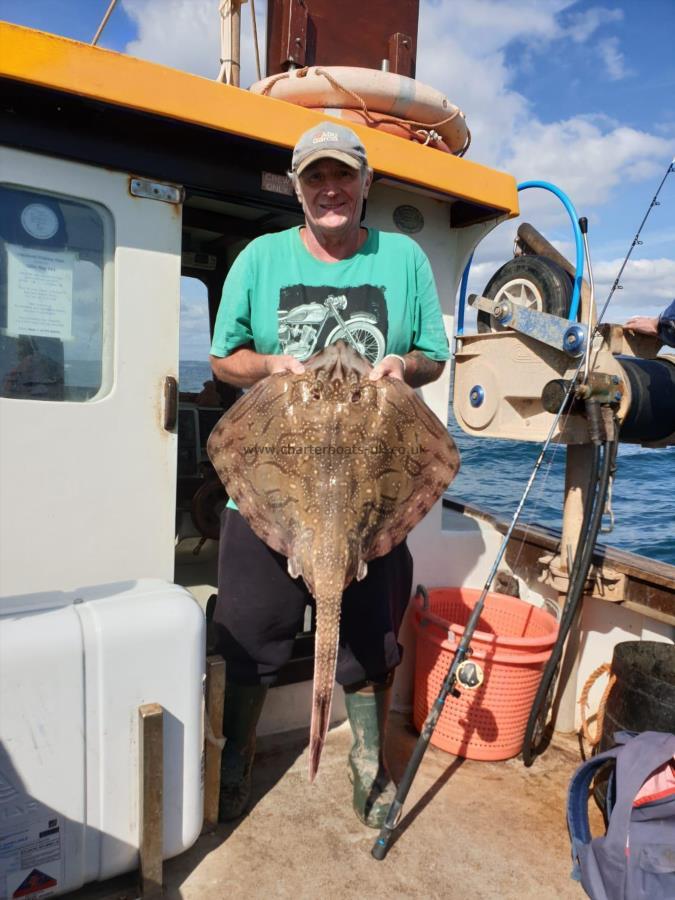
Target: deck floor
x=479, y=830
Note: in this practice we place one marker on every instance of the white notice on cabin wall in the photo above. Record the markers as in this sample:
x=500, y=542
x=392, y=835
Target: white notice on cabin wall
x=40, y=292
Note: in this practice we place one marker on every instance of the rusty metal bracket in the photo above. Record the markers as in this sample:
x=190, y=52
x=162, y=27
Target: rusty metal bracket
x=293, y=34
x=603, y=582
x=401, y=58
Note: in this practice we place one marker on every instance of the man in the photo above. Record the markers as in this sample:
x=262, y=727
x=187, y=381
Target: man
x=662, y=326
x=285, y=296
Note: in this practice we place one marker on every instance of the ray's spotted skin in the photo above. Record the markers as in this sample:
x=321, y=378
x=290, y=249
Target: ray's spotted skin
x=332, y=470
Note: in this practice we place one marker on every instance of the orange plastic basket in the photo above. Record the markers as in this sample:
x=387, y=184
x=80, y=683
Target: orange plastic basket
x=511, y=644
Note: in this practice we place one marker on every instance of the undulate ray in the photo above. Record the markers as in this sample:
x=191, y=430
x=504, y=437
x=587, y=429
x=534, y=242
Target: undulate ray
x=332, y=470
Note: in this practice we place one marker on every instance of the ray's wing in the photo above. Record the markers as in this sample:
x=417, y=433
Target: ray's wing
x=250, y=448
x=412, y=461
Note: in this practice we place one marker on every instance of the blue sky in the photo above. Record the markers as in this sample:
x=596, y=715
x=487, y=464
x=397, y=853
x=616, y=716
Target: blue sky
x=578, y=93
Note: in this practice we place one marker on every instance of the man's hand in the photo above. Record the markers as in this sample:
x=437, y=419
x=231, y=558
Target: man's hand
x=243, y=367
x=417, y=371
x=277, y=364
x=643, y=325
x=391, y=366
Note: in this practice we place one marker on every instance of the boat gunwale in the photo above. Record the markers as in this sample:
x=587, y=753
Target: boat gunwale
x=650, y=583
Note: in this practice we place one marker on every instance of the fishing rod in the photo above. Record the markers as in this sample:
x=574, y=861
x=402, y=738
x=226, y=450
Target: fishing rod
x=593, y=510
x=636, y=241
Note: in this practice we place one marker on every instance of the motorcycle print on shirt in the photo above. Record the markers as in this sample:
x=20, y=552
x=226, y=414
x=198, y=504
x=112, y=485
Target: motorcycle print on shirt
x=310, y=318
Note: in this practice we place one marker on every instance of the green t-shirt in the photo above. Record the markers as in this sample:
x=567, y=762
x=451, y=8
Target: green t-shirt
x=278, y=298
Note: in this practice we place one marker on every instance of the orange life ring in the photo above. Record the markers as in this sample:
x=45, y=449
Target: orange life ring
x=377, y=94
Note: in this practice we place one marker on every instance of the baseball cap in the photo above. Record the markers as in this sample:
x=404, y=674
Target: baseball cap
x=328, y=140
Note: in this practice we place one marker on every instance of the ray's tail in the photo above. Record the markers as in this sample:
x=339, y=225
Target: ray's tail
x=325, y=661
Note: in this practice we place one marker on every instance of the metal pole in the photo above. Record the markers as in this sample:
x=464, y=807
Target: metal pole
x=577, y=487
x=235, y=61
x=104, y=22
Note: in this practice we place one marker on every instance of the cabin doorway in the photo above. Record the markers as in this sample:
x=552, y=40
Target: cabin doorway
x=215, y=230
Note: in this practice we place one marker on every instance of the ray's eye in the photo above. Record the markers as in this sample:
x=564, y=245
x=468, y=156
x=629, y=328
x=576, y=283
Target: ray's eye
x=356, y=396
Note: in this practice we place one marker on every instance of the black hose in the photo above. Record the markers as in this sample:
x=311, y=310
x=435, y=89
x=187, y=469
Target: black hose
x=578, y=575
x=543, y=698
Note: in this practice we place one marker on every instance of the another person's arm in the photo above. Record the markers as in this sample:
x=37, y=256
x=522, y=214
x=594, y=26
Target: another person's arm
x=662, y=326
x=643, y=325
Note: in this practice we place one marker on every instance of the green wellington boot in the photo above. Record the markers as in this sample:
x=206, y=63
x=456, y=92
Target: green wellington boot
x=242, y=708
x=374, y=790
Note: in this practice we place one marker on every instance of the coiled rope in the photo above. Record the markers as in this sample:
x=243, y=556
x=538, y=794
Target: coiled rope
x=604, y=669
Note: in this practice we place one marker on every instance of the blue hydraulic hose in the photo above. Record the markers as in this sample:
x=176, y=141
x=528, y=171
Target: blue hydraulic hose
x=459, y=331
x=579, y=271
x=567, y=203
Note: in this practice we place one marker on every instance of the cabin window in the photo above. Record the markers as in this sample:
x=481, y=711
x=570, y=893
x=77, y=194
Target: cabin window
x=53, y=254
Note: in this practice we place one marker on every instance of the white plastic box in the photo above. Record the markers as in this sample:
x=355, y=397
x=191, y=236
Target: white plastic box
x=74, y=668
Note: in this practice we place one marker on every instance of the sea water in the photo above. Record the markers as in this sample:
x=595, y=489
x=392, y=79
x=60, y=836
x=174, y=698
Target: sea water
x=494, y=473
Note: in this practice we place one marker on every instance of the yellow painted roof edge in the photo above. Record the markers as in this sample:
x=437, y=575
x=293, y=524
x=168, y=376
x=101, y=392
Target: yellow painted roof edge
x=51, y=61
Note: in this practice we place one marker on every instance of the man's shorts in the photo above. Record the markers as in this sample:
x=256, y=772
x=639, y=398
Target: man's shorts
x=260, y=609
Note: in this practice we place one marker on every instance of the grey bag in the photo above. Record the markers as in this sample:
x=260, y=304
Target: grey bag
x=635, y=860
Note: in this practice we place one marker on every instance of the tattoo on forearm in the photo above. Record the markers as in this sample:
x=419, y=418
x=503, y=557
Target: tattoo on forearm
x=423, y=369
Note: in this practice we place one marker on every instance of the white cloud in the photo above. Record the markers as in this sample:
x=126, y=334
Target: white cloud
x=648, y=286
x=584, y=158
x=613, y=58
x=463, y=52
x=581, y=26
x=185, y=34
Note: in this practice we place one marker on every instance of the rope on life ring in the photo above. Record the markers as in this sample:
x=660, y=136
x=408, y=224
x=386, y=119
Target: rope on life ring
x=388, y=124
x=604, y=669
x=425, y=132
